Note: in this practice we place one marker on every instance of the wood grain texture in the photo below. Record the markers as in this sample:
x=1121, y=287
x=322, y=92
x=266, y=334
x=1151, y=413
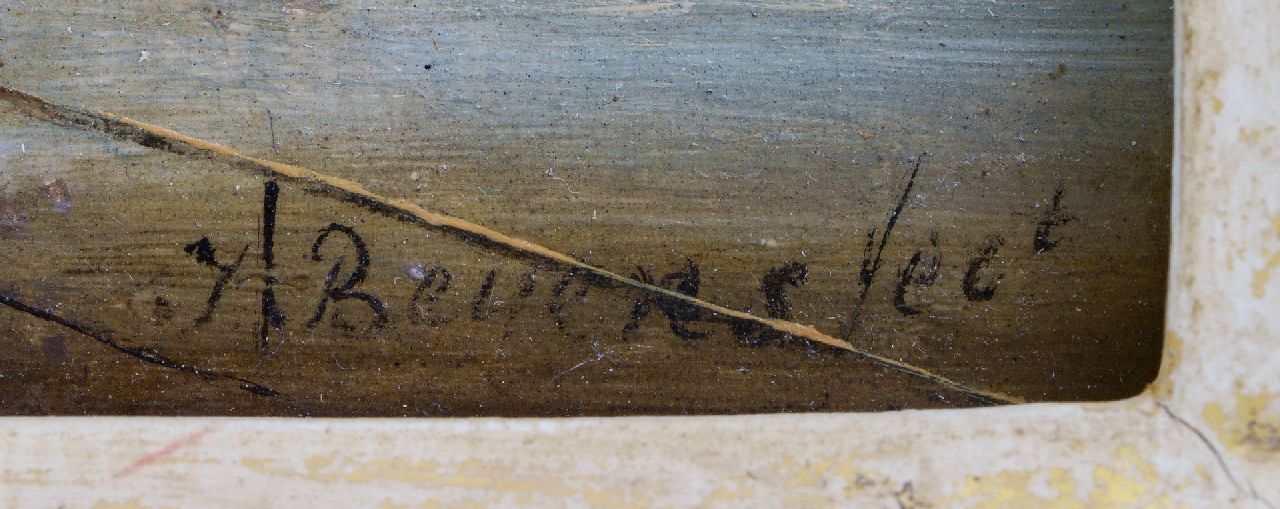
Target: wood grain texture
x=755, y=149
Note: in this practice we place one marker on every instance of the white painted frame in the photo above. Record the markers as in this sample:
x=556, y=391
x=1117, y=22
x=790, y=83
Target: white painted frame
x=1206, y=434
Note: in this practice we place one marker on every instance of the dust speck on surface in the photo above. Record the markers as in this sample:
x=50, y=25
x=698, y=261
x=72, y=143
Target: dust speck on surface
x=1060, y=72
x=57, y=192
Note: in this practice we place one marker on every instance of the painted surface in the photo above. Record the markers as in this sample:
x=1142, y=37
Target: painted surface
x=508, y=209
x=1202, y=436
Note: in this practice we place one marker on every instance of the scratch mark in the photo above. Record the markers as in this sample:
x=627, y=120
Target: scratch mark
x=600, y=355
x=157, y=137
x=1222, y=462
x=143, y=354
x=161, y=453
x=271, y=125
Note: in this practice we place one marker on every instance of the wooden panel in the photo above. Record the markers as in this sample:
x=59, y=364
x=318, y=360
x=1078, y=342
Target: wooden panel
x=783, y=161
